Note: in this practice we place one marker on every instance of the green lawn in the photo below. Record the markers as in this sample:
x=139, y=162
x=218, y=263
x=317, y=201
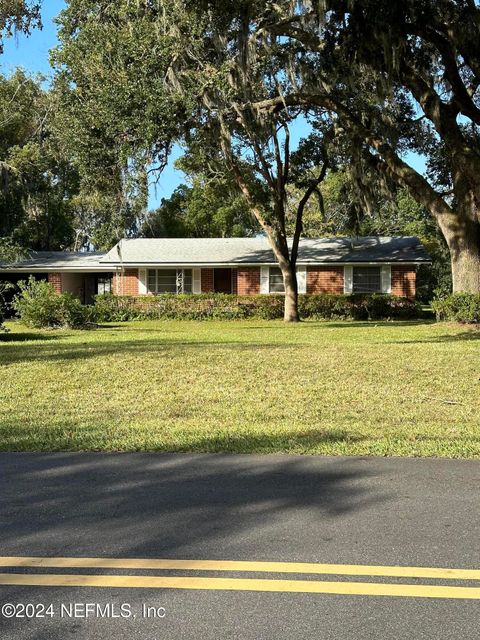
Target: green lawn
x=400, y=388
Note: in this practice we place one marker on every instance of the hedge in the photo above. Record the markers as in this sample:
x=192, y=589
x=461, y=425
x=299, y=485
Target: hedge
x=458, y=307
x=111, y=308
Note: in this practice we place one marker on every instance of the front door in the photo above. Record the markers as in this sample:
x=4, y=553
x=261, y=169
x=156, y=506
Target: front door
x=222, y=280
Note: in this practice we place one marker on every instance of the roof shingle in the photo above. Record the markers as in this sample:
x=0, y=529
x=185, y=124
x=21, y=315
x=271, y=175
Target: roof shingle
x=204, y=251
x=226, y=251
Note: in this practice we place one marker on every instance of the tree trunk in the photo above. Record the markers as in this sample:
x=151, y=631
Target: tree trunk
x=464, y=245
x=291, y=294
x=465, y=258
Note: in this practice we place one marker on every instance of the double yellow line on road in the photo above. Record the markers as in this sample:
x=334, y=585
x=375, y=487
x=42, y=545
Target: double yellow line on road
x=241, y=584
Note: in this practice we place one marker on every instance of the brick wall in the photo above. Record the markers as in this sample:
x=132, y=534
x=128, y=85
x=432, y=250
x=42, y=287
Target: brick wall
x=235, y=282
x=55, y=279
x=126, y=284
x=404, y=281
x=207, y=280
x=324, y=279
x=248, y=281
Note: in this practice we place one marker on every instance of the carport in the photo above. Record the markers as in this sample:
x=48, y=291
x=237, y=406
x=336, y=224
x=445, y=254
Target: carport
x=80, y=273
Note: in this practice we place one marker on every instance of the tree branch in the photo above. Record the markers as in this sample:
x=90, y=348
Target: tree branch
x=313, y=188
x=400, y=170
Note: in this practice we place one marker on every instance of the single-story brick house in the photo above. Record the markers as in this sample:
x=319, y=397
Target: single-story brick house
x=243, y=266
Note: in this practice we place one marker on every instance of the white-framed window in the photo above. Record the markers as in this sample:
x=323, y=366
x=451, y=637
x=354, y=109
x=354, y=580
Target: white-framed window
x=169, y=281
x=104, y=284
x=367, y=280
x=275, y=280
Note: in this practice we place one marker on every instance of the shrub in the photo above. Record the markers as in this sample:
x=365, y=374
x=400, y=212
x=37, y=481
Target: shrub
x=458, y=307
x=265, y=307
x=4, y=287
x=39, y=306
x=373, y=306
x=72, y=313
x=111, y=308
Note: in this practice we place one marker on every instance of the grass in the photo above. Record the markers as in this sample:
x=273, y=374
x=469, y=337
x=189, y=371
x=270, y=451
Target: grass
x=399, y=388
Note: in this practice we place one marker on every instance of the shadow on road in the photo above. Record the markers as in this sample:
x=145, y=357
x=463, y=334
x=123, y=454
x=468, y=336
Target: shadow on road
x=168, y=505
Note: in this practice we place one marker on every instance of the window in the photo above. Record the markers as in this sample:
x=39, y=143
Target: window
x=169, y=281
x=104, y=284
x=367, y=280
x=276, y=280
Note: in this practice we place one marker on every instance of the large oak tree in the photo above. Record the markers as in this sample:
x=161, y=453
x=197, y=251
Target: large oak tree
x=421, y=61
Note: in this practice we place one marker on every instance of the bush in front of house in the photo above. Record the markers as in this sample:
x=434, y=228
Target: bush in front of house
x=38, y=306
x=373, y=306
x=458, y=307
x=111, y=308
x=4, y=287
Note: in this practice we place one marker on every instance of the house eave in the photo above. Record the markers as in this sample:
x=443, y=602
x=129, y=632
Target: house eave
x=206, y=265
x=56, y=268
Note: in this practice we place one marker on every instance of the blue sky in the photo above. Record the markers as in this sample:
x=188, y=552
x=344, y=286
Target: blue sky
x=31, y=53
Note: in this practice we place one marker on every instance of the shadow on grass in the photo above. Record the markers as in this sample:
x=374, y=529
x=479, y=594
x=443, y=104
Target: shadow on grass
x=267, y=443
x=307, y=323
x=89, y=349
x=305, y=441
x=27, y=337
x=390, y=324
x=454, y=337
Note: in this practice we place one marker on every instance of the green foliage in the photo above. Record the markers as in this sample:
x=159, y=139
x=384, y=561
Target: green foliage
x=39, y=306
x=18, y=15
x=458, y=307
x=373, y=306
x=4, y=287
x=37, y=180
x=111, y=308
x=11, y=251
x=204, y=210
x=47, y=199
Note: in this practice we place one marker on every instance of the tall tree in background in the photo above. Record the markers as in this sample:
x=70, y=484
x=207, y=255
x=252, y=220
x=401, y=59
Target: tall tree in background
x=206, y=209
x=37, y=181
x=46, y=201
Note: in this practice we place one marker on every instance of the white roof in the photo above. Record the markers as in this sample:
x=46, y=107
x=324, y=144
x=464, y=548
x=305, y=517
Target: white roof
x=226, y=251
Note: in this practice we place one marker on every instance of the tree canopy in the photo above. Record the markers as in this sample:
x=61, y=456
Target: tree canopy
x=202, y=210
x=36, y=179
x=46, y=200
x=18, y=16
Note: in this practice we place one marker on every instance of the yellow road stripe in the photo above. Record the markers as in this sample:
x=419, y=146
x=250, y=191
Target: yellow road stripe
x=241, y=565
x=242, y=584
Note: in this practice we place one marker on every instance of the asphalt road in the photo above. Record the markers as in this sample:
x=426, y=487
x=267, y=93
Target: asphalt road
x=347, y=511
